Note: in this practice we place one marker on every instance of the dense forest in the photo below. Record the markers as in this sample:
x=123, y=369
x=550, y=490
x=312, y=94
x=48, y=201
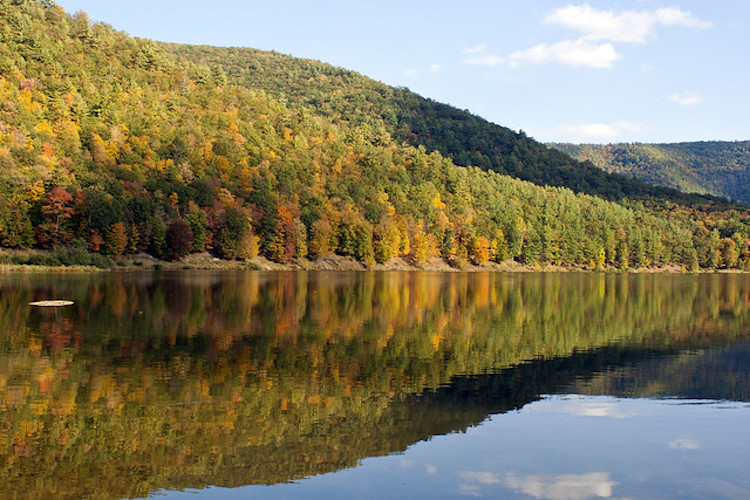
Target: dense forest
x=261, y=378
x=382, y=111
x=111, y=145
x=715, y=168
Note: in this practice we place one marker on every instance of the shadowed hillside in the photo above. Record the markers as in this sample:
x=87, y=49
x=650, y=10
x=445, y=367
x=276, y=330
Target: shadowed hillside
x=715, y=168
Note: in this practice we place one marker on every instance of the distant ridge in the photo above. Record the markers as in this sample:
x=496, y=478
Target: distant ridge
x=706, y=167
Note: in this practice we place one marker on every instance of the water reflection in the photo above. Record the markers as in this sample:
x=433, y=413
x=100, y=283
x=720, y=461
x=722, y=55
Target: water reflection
x=565, y=486
x=183, y=380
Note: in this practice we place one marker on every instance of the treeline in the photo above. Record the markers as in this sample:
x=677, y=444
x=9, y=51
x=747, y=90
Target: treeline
x=713, y=167
x=116, y=146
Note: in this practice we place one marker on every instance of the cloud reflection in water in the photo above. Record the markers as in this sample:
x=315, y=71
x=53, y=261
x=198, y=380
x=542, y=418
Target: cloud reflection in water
x=562, y=487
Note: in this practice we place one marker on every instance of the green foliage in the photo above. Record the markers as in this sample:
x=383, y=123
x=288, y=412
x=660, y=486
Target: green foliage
x=198, y=222
x=235, y=236
x=385, y=242
x=714, y=168
x=158, y=246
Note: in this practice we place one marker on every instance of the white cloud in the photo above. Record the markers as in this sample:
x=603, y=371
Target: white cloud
x=476, y=49
x=411, y=72
x=599, y=131
x=684, y=443
x=571, y=53
x=603, y=25
x=678, y=17
x=485, y=60
x=563, y=487
x=431, y=469
x=624, y=26
x=687, y=98
x=469, y=489
x=434, y=68
x=599, y=29
x=480, y=477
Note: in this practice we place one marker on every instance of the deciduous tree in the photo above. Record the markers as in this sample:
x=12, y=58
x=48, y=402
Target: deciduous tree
x=116, y=239
x=179, y=240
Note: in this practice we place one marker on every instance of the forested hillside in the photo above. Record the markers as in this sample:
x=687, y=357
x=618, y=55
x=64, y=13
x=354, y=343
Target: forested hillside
x=381, y=111
x=120, y=145
x=715, y=168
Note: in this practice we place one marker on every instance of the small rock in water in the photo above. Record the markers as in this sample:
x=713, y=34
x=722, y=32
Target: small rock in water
x=51, y=303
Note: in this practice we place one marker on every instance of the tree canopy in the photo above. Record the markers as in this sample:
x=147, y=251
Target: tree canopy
x=707, y=167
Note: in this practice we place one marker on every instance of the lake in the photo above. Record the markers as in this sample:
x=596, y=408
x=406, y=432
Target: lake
x=374, y=385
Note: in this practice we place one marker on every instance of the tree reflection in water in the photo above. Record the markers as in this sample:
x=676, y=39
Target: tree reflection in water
x=182, y=380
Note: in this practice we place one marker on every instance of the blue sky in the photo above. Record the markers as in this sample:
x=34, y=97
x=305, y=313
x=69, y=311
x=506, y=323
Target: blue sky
x=614, y=71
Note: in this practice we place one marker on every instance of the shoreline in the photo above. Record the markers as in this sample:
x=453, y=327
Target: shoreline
x=332, y=262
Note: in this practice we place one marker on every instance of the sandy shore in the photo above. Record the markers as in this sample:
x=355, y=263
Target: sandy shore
x=330, y=262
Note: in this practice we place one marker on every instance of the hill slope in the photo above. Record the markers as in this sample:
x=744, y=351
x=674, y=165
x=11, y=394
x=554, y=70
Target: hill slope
x=715, y=168
x=467, y=139
x=120, y=145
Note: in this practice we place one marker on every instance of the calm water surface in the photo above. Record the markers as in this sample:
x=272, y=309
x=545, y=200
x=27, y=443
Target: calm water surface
x=375, y=385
